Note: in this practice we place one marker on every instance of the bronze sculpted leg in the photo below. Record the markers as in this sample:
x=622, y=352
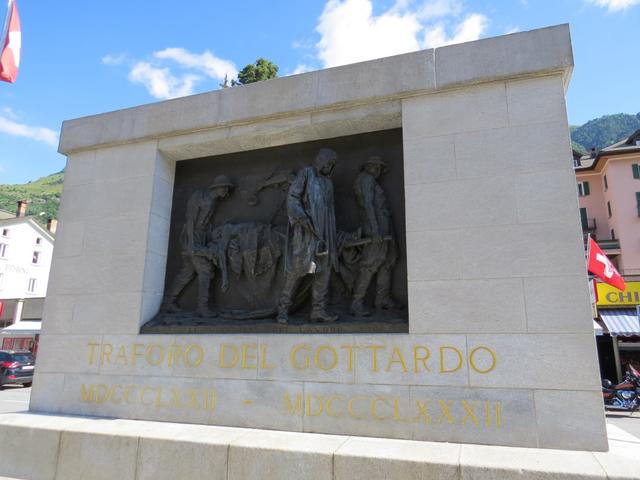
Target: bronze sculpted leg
x=291, y=283
x=360, y=288
x=186, y=274
x=319, y=291
x=204, y=269
x=384, y=300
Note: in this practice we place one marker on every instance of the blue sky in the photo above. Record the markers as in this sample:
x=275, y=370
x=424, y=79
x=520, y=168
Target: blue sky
x=84, y=57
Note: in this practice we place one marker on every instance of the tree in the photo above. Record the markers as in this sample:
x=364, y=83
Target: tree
x=262, y=69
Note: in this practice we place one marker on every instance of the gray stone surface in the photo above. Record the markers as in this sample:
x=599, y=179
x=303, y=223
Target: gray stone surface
x=99, y=448
x=504, y=57
x=485, y=142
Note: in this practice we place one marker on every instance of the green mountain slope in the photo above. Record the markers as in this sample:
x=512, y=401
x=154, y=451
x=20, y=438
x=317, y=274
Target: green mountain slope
x=606, y=130
x=43, y=196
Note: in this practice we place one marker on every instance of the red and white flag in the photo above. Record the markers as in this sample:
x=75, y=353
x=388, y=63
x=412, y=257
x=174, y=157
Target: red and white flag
x=11, y=43
x=601, y=266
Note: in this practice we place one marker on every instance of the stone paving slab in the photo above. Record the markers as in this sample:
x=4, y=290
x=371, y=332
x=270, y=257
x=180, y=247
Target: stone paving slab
x=86, y=447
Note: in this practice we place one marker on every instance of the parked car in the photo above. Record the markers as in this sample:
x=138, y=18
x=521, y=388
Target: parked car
x=16, y=368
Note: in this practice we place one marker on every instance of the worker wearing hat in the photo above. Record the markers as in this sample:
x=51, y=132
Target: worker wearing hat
x=199, y=213
x=379, y=256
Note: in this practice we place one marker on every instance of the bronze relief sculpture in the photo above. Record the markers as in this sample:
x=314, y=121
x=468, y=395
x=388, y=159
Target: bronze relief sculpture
x=294, y=260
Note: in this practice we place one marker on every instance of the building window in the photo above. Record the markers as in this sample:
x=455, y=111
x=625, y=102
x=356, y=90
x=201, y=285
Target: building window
x=3, y=250
x=609, y=209
x=638, y=202
x=32, y=285
x=583, y=189
x=36, y=258
x=613, y=234
x=39, y=239
x=5, y=232
x=635, y=168
x=606, y=185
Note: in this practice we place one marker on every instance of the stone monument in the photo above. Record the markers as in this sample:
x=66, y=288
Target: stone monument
x=388, y=249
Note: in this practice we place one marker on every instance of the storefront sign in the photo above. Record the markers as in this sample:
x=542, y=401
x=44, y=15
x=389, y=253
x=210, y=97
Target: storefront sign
x=612, y=297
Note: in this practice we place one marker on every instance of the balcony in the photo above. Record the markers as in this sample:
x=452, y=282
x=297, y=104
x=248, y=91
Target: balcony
x=588, y=225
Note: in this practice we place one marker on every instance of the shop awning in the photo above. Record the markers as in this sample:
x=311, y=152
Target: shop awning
x=621, y=322
x=24, y=327
x=597, y=329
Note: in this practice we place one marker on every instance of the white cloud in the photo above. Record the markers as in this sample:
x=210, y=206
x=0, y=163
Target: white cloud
x=114, y=59
x=9, y=113
x=160, y=82
x=615, y=5
x=302, y=68
x=205, y=62
x=174, y=72
x=40, y=134
x=350, y=32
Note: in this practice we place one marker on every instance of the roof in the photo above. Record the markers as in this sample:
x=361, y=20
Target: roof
x=631, y=144
x=17, y=220
x=22, y=328
x=621, y=322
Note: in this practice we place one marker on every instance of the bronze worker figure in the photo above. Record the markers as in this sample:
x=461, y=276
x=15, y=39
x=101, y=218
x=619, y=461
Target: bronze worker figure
x=194, y=240
x=311, y=241
x=378, y=257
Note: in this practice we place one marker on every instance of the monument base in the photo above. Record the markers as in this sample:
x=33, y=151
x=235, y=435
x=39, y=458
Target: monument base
x=40, y=446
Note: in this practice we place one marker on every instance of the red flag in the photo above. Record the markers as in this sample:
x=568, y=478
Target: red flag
x=600, y=265
x=11, y=43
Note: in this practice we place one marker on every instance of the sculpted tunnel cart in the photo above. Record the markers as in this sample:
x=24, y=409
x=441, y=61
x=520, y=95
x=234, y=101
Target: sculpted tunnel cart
x=479, y=181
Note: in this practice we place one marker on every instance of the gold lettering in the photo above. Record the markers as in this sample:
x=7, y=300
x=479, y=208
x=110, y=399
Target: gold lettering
x=498, y=414
x=469, y=412
x=373, y=408
x=127, y=392
x=142, y=396
x=223, y=357
x=199, y=355
x=211, y=400
x=105, y=353
x=442, y=359
x=290, y=407
x=487, y=413
x=102, y=392
x=122, y=356
x=349, y=349
x=175, y=353
x=396, y=411
x=330, y=411
x=445, y=411
x=193, y=398
x=422, y=407
x=159, y=403
x=263, y=359
x=249, y=356
x=92, y=351
x=309, y=411
x=374, y=355
x=332, y=363
x=350, y=407
x=473, y=363
x=136, y=353
x=154, y=359
x=87, y=393
x=423, y=358
x=396, y=357
x=294, y=359
x=112, y=394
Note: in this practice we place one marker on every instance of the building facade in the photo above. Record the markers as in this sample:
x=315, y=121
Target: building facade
x=608, y=183
x=25, y=260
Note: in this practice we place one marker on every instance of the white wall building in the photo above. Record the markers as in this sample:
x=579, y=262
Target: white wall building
x=25, y=260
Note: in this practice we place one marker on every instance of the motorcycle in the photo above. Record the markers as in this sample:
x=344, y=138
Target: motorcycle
x=625, y=395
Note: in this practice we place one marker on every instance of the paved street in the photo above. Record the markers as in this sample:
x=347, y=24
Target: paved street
x=14, y=399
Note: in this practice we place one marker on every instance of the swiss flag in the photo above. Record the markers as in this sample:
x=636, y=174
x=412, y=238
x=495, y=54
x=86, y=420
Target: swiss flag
x=601, y=266
x=11, y=43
